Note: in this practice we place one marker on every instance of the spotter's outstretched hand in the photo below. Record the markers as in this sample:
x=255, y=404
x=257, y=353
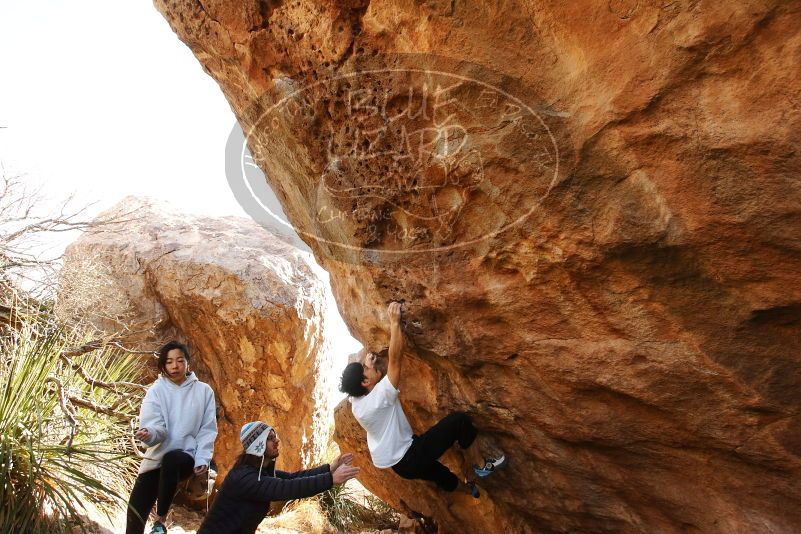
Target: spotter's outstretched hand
x=342, y=459
x=345, y=473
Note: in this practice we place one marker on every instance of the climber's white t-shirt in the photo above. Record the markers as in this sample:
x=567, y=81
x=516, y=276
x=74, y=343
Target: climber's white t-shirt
x=379, y=412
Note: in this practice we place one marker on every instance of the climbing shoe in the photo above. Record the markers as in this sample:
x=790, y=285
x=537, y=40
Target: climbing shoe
x=158, y=528
x=490, y=466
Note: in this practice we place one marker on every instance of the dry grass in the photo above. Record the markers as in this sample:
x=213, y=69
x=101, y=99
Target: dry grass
x=298, y=516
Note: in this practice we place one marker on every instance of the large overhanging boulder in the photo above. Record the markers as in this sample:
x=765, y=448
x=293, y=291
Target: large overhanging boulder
x=593, y=215
x=249, y=305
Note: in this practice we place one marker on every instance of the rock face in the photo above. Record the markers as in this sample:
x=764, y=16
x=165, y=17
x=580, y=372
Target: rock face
x=249, y=306
x=592, y=212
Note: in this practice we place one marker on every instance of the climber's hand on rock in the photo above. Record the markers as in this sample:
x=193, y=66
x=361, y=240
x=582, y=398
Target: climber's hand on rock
x=342, y=459
x=344, y=473
x=394, y=312
x=142, y=434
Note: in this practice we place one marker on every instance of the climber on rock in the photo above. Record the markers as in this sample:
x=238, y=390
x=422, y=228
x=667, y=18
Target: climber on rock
x=374, y=400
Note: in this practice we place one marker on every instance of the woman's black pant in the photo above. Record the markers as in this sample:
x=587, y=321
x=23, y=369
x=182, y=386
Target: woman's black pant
x=159, y=484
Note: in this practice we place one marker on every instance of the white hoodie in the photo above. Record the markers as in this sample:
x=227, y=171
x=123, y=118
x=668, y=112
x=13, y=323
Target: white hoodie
x=178, y=417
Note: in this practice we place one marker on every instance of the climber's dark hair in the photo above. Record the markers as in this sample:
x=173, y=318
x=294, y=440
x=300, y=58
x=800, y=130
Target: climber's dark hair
x=351, y=382
x=382, y=360
x=166, y=348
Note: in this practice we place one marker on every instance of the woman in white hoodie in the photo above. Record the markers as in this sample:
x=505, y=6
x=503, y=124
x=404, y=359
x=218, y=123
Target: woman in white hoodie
x=178, y=424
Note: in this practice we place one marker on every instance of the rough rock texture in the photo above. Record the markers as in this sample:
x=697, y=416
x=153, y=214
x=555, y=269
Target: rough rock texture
x=596, y=231
x=249, y=306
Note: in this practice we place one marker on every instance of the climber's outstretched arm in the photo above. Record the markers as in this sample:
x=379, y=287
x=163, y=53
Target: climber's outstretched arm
x=395, y=344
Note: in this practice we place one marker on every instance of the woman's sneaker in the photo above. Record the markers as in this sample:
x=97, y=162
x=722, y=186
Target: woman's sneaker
x=490, y=466
x=158, y=528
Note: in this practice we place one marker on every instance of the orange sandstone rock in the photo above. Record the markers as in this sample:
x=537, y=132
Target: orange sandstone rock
x=248, y=304
x=590, y=209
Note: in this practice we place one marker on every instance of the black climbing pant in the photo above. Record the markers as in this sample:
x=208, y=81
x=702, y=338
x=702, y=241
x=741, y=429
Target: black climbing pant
x=420, y=461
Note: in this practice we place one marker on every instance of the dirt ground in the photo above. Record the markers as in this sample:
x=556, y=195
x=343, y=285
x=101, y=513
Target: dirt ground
x=299, y=517
x=303, y=517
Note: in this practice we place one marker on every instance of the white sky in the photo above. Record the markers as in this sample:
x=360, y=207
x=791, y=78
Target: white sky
x=100, y=98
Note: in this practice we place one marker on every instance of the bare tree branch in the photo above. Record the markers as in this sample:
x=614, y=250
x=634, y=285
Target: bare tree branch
x=94, y=382
x=25, y=223
x=99, y=408
x=66, y=409
x=8, y=316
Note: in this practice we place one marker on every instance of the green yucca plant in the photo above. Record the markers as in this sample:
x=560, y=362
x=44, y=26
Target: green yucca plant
x=64, y=427
x=349, y=510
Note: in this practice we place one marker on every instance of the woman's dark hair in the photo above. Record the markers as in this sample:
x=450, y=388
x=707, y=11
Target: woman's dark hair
x=351, y=382
x=166, y=348
x=250, y=459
